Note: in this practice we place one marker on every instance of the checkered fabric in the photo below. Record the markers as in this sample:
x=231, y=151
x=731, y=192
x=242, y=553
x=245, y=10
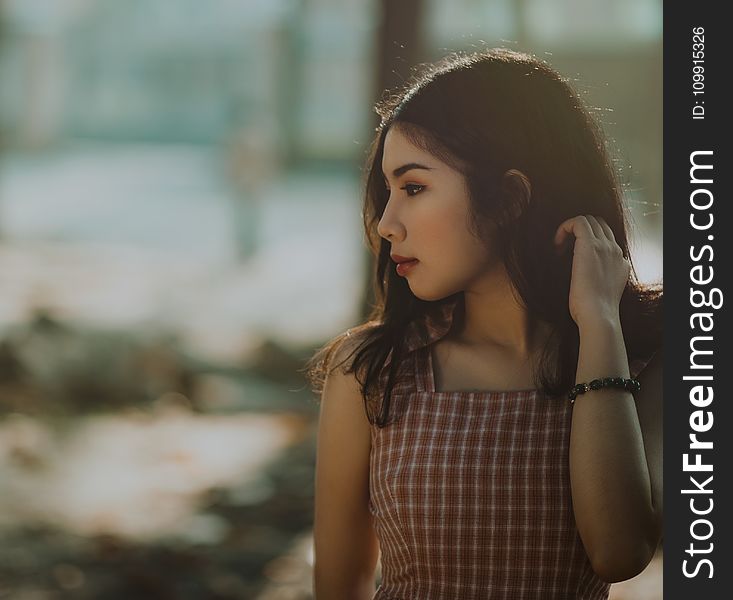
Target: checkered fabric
x=470, y=491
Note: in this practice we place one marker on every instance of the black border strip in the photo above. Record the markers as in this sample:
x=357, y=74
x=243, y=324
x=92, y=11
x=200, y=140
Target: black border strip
x=683, y=250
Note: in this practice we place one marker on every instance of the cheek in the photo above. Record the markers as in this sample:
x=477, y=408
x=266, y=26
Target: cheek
x=452, y=256
x=449, y=238
x=440, y=223
x=451, y=249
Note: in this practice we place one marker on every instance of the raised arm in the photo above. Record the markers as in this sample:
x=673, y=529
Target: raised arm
x=346, y=547
x=616, y=437
x=616, y=459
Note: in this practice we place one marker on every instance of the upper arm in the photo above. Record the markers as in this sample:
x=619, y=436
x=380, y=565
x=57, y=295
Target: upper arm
x=649, y=407
x=346, y=548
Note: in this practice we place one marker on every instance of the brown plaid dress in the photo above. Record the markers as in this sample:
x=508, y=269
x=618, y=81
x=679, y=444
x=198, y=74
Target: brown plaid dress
x=470, y=491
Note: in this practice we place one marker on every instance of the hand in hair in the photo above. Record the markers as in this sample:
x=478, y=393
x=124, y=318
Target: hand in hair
x=600, y=271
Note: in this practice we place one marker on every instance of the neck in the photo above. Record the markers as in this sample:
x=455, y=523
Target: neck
x=496, y=318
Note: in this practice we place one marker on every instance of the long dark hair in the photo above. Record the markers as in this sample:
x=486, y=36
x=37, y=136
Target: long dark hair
x=486, y=113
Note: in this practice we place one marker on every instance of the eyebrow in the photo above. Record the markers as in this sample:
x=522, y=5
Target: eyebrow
x=399, y=171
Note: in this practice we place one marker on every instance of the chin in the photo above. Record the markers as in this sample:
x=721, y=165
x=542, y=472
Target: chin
x=431, y=294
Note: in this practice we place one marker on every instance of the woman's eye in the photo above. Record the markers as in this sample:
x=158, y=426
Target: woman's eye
x=412, y=186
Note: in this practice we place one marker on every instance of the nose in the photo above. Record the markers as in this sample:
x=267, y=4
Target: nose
x=389, y=227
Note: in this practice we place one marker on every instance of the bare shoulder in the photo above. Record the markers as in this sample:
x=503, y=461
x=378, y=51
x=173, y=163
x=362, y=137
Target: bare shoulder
x=342, y=399
x=348, y=344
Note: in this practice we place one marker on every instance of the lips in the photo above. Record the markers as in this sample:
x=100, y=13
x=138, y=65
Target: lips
x=405, y=264
x=403, y=268
x=402, y=259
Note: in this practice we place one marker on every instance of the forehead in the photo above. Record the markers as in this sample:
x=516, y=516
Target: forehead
x=397, y=148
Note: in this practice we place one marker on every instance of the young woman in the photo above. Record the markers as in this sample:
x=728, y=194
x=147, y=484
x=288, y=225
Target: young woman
x=453, y=439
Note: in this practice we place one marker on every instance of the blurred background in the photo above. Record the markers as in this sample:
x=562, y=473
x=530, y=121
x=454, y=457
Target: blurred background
x=179, y=230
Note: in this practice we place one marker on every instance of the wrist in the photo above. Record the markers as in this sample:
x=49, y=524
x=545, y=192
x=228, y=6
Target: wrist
x=600, y=322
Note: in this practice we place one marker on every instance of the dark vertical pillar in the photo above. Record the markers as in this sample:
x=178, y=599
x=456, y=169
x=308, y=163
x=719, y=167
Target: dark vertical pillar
x=399, y=46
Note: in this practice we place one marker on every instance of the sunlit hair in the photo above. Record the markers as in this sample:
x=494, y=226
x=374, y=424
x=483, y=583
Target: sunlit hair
x=486, y=113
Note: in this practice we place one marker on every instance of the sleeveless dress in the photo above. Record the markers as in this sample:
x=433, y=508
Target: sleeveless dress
x=470, y=491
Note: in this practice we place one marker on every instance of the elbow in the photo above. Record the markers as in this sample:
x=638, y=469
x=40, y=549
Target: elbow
x=621, y=565
x=627, y=556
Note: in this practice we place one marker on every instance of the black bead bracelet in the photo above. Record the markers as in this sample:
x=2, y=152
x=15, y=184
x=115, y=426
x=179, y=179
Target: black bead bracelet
x=631, y=385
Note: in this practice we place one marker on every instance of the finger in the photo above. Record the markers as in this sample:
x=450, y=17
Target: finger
x=596, y=226
x=577, y=226
x=607, y=229
x=609, y=235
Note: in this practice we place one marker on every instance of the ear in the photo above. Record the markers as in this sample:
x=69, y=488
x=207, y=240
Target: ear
x=518, y=192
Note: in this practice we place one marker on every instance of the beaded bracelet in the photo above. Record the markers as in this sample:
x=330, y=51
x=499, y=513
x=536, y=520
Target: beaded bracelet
x=632, y=385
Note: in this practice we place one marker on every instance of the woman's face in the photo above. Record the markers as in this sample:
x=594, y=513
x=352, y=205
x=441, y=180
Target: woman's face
x=427, y=218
